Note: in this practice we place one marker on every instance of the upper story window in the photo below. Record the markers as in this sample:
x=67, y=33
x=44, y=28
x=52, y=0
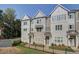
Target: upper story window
x=25, y=23
x=39, y=29
x=71, y=15
x=71, y=26
x=39, y=21
x=59, y=17
x=25, y=29
x=58, y=27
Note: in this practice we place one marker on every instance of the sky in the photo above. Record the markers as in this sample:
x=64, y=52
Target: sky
x=31, y=9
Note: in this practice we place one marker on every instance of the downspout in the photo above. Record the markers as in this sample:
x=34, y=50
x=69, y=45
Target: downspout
x=30, y=34
x=75, y=29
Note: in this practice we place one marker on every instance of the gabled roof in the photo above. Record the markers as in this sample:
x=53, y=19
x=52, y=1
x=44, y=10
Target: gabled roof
x=61, y=7
x=26, y=17
x=74, y=10
x=39, y=14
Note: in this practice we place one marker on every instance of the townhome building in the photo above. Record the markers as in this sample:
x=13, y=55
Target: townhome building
x=60, y=27
x=37, y=29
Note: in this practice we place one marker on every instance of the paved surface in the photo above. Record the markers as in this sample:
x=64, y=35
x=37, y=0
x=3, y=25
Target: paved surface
x=9, y=50
x=51, y=50
x=7, y=42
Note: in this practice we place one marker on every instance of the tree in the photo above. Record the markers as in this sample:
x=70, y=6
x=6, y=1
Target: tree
x=8, y=18
x=9, y=15
x=12, y=26
x=1, y=22
x=17, y=28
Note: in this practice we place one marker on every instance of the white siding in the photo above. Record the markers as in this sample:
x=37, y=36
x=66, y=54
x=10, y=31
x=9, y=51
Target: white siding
x=24, y=34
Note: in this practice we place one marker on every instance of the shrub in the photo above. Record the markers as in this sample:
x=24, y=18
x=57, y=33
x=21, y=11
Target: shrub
x=63, y=45
x=53, y=44
x=22, y=44
x=78, y=46
x=34, y=43
x=59, y=45
x=15, y=43
x=40, y=45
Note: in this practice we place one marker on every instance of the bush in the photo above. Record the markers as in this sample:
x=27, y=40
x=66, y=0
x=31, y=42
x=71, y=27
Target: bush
x=63, y=45
x=22, y=44
x=78, y=47
x=34, y=43
x=15, y=43
x=40, y=45
x=52, y=44
x=59, y=45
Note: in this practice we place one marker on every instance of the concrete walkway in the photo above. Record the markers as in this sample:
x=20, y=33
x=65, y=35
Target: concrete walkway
x=46, y=49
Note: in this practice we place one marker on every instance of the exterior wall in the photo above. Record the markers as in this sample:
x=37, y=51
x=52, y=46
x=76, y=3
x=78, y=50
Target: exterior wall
x=35, y=23
x=65, y=25
x=77, y=27
x=55, y=33
x=24, y=34
x=77, y=21
x=39, y=37
x=49, y=24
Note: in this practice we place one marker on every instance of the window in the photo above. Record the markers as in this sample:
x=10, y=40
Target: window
x=25, y=29
x=39, y=21
x=71, y=15
x=70, y=26
x=25, y=23
x=47, y=37
x=59, y=39
x=39, y=29
x=58, y=27
x=59, y=17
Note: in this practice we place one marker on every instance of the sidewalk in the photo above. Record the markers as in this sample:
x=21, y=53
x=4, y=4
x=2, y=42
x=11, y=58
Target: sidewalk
x=50, y=50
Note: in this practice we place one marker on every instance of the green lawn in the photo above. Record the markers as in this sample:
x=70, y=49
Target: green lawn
x=25, y=50
x=64, y=48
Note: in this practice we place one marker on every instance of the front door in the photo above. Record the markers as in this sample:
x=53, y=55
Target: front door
x=47, y=40
x=73, y=41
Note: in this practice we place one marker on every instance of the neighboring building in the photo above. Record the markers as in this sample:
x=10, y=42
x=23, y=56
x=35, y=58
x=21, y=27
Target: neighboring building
x=25, y=29
x=61, y=27
x=36, y=30
x=40, y=27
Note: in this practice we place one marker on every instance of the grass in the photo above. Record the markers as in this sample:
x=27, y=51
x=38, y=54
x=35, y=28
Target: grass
x=25, y=50
x=64, y=48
